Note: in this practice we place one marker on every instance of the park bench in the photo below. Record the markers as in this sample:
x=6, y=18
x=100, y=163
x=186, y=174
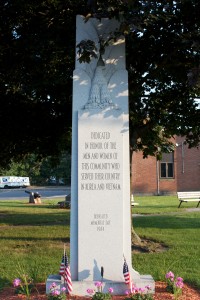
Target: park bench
x=188, y=197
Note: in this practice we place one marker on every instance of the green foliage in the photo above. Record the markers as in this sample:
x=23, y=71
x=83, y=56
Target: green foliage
x=35, y=77
x=59, y=297
x=163, y=83
x=86, y=50
x=24, y=283
x=37, y=55
x=101, y=296
x=174, y=284
x=41, y=171
x=139, y=296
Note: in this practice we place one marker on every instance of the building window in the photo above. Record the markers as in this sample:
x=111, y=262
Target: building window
x=167, y=165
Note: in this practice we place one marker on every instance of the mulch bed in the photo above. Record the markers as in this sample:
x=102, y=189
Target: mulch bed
x=189, y=293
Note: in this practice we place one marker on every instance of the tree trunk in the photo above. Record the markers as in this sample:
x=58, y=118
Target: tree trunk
x=135, y=239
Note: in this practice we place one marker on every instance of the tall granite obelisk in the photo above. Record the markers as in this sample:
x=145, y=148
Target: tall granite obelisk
x=100, y=236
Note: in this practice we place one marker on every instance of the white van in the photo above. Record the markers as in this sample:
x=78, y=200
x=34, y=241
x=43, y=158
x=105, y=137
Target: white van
x=14, y=182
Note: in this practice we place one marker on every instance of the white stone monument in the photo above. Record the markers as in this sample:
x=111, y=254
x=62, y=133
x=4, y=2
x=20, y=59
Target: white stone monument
x=100, y=192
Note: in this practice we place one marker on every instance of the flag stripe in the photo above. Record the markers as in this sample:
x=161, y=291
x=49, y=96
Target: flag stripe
x=126, y=273
x=65, y=272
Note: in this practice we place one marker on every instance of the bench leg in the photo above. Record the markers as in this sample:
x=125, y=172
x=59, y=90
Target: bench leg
x=180, y=204
x=198, y=204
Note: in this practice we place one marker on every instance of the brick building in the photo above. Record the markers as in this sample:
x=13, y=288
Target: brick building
x=177, y=171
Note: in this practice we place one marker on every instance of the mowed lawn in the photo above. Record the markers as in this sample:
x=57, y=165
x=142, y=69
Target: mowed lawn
x=178, y=228
x=32, y=238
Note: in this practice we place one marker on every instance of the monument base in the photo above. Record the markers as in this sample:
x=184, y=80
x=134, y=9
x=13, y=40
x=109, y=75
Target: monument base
x=57, y=279
x=119, y=288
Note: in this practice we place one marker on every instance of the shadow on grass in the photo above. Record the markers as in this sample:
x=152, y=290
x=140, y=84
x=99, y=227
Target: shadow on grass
x=25, y=245
x=35, y=219
x=30, y=205
x=4, y=282
x=185, y=221
x=160, y=209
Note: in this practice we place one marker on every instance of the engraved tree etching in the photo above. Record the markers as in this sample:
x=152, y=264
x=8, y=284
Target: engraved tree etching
x=97, y=57
x=99, y=93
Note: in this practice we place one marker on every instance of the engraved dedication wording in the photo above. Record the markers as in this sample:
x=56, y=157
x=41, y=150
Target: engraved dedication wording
x=100, y=181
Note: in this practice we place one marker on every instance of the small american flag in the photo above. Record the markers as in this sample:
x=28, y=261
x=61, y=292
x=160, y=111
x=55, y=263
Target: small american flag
x=65, y=272
x=126, y=273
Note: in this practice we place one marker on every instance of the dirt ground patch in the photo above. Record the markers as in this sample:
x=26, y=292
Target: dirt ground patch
x=189, y=293
x=148, y=246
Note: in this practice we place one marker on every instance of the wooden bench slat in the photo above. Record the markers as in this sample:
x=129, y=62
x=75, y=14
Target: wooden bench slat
x=189, y=198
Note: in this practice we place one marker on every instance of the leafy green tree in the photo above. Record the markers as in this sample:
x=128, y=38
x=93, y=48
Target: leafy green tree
x=162, y=39
x=41, y=171
x=28, y=166
x=37, y=53
x=59, y=169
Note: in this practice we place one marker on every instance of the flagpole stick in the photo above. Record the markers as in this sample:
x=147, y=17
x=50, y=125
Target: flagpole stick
x=102, y=272
x=64, y=263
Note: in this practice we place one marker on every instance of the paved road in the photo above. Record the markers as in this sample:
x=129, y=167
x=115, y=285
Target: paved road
x=45, y=192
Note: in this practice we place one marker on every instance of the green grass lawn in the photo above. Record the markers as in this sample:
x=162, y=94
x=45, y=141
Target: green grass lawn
x=32, y=237
x=175, y=227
